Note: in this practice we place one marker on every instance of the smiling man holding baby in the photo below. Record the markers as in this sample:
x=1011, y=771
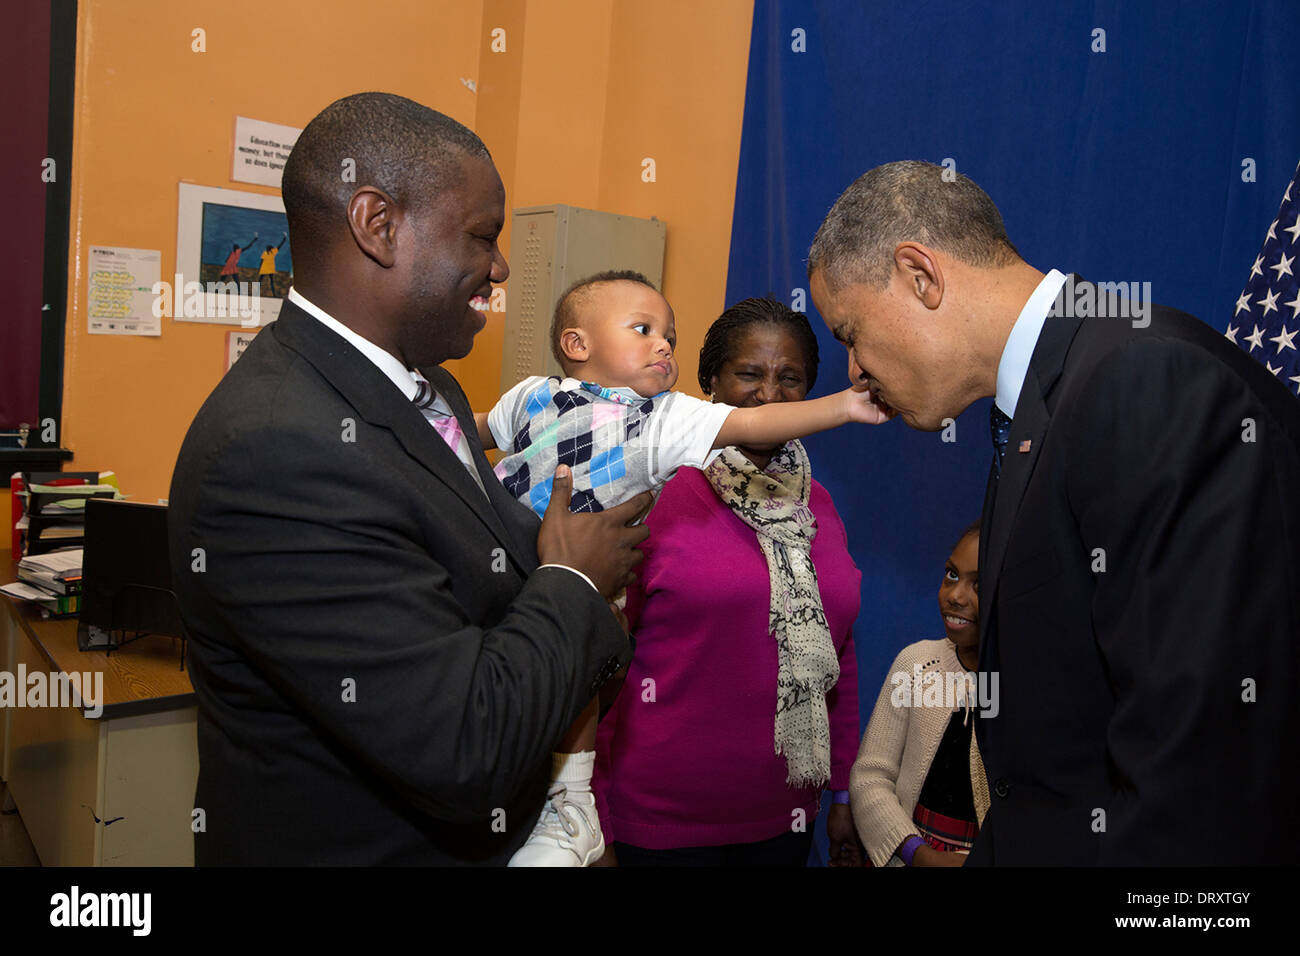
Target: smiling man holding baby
x=386, y=645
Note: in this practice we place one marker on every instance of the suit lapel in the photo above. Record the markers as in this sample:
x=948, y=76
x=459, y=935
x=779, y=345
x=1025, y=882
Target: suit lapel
x=1028, y=432
x=988, y=654
x=379, y=402
x=1004, y=492
x=518, y=519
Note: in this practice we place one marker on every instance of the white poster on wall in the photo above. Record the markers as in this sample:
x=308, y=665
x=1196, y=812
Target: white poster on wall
x=236, y=343
x=233, y=261
x=260, y=151
x=119, y=290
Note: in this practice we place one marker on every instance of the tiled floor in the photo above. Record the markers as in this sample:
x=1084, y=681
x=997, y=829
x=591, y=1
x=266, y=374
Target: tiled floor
x=15, y=847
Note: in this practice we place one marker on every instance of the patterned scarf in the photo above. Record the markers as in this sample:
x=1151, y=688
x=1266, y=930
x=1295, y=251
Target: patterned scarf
x=774, y=503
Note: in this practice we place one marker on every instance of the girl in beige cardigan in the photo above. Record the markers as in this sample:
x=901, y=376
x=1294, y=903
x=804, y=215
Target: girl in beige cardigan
x=927, y=683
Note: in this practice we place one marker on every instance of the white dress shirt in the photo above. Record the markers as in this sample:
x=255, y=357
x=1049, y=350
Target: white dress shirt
x=1014, y=364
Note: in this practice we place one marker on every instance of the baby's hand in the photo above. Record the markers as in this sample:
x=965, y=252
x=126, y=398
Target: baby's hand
x=864, y=407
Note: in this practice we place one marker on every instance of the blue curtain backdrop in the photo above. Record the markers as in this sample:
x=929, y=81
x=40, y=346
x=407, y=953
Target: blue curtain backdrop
x=1123, y=165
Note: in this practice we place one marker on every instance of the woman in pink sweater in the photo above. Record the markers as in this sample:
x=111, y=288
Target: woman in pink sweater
x=740, y=705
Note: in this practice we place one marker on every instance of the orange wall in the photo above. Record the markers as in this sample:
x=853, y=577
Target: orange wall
x=677, y=94
x=584, y=91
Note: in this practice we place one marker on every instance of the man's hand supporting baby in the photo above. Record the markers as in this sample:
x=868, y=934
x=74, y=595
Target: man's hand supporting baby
x=603, y=545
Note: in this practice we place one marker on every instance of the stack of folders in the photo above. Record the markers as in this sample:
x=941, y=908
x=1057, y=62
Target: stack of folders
x=56, y=577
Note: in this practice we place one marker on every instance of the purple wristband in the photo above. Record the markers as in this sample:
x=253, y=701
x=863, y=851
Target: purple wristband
x=839, y=796
x=909, y=848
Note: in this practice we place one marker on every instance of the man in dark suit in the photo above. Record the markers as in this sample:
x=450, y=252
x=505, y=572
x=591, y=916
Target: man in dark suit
x=385, y=644
x=1140, y=553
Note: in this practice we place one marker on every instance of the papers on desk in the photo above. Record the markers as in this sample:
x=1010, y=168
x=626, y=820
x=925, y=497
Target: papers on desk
x=51, y=604
x=52, y=580
x=55, y=562
x=24, y=592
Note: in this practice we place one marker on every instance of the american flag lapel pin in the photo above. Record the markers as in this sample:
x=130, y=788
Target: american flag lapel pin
x=1025, y=446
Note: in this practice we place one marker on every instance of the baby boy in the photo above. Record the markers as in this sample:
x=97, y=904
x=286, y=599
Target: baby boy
x=616, y=422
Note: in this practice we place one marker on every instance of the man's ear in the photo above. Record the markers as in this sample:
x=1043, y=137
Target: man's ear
x=373, y=218
x=573, y=345
x=920, y=269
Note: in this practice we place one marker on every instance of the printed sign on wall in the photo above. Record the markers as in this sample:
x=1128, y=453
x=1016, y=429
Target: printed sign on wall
x=260, y=151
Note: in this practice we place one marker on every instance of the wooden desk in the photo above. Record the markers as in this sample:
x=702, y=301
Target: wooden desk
x=135, y=765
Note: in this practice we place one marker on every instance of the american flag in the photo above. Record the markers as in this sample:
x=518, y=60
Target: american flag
x=1267, y=317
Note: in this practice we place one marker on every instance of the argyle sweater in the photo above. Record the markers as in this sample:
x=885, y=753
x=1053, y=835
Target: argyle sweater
x=617, y=442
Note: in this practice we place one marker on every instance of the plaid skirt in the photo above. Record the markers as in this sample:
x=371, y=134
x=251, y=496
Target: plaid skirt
x=945, y=833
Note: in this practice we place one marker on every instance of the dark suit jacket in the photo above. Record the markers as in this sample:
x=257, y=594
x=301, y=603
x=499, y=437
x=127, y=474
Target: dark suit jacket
x=1128, y=732
x=381, y=668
